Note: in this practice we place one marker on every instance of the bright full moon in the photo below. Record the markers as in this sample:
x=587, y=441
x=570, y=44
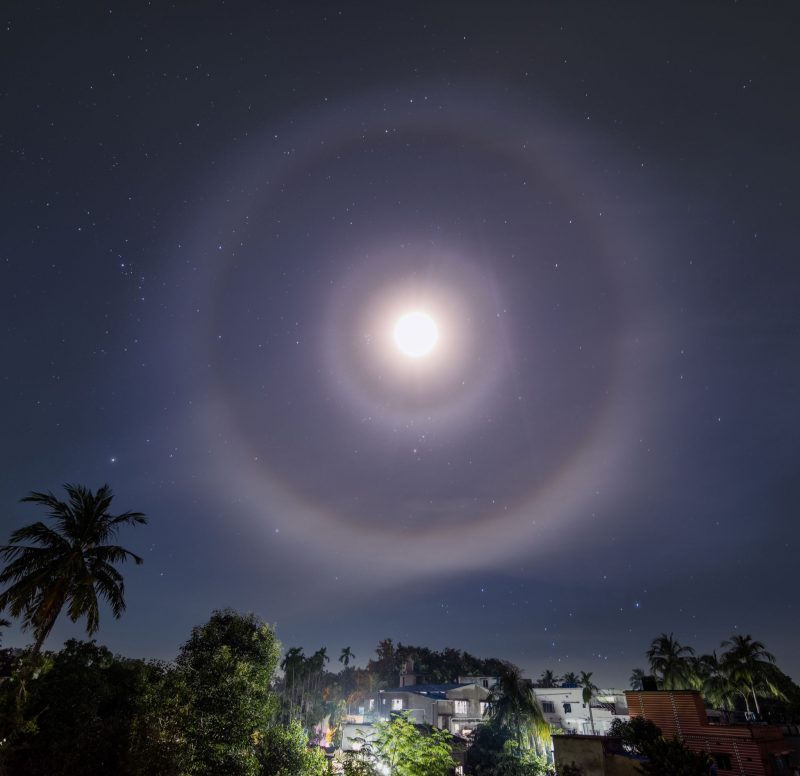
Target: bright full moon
x=416, y=334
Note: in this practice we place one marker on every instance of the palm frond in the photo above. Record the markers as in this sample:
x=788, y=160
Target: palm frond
x=67, y=563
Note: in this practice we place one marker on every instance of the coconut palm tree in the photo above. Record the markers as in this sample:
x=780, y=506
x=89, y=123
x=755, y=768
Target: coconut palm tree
x=749, y=666
x=715, y=679
x=346, y=656
x=548, y=679
x=589, y=691
x=671, y=663
x=69, y=562
x=636, y=680
x=570, y=678
x=513, y=707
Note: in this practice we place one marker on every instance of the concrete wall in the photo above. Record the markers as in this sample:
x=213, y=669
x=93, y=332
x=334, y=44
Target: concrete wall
x=584, y=751
x=591, y=754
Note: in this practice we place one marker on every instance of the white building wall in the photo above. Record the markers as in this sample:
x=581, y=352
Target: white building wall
x=564, y=708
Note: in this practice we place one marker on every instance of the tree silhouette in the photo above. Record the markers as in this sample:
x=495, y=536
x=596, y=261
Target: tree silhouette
x=69, y=564
x=671, y=663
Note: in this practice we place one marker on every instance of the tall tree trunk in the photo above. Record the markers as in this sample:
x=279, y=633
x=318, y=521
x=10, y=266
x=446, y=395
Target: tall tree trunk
x=591, y=718
x=755, y=699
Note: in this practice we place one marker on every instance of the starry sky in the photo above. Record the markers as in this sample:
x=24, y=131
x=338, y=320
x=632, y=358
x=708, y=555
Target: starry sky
x=213, y=213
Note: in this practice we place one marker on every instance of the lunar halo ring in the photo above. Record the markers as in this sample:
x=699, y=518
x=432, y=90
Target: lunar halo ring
x=559, y=500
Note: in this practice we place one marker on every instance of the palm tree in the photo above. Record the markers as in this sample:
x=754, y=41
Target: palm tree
x=749, y=665
x=548, y=679
x=636, y=680
x=570, y=678
x=671, y=663
x=346, y=656
x=589, y=691
x=292, y=666
x=513, y=706
x=69, y=564
x=714, y=674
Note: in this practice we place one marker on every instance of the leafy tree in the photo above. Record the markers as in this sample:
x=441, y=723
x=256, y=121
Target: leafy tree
x=494, y=753
x=749, y=667
x=283, y=751
x=227, y=665
x=158, y=741
x=359, y=764
x=513, y=706
x=636, y=734
x=671, y=663
x=589, y=691
x=570, y=678
x=488, y=741
x=385, y=666
x=69, y=564
x=78, y=714
x=664, y=758
x=673, y=758
x=403, y=750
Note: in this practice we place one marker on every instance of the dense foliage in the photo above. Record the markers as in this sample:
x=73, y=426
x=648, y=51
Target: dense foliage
x=665, y=757
x=77, y=714
x=496, y=752
x=403, y=749
x=87, y=712
x=227, y=667
x=438, y=667
x=283, y=751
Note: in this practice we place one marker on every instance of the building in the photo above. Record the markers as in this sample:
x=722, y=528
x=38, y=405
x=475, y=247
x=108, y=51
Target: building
x=746, y=749
x=595, y=756
x=564, y=709
x=458, y=708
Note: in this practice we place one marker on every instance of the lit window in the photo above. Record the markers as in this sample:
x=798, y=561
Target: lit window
x=483, y=708
x=461, y=707
x=397, y=704
x=372, y=704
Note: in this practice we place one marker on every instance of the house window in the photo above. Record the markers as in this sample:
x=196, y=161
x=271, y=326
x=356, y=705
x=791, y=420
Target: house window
x=485, y=683
x=483, y=708
x=567, y=708
x=397, y=704
x=461, y=707
x=372, y=704
x=548, y=707
x=722, y=760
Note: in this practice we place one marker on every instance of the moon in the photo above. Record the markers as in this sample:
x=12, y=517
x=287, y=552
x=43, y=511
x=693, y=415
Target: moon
x=416, y=334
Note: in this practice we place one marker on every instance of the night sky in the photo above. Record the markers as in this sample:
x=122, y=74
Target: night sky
x=213, y=215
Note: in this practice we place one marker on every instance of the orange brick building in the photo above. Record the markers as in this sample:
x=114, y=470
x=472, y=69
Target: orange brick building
x=740, y=750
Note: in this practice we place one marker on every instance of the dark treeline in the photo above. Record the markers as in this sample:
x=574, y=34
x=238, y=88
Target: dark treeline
x=213, y=710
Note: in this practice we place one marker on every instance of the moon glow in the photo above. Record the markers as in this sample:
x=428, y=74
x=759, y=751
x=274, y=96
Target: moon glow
x=416, y=334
